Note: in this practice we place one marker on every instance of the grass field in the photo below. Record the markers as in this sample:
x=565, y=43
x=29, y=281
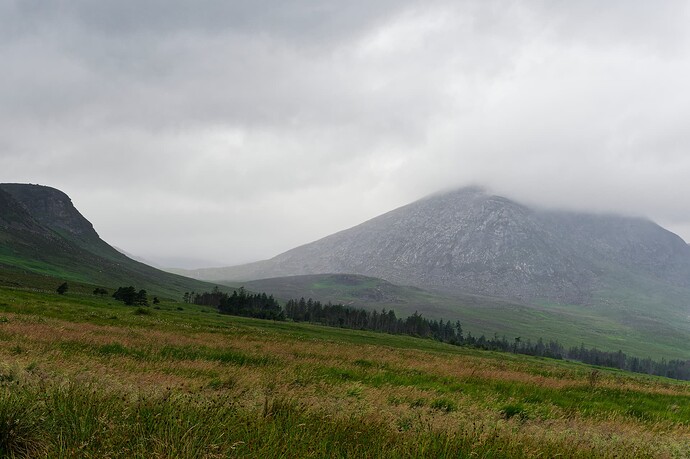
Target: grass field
x=82, y=376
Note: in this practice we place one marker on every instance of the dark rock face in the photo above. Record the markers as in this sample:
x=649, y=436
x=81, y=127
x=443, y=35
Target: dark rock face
x=13, y=215
x=473, y=242
x=51, y=208
x=17, y=223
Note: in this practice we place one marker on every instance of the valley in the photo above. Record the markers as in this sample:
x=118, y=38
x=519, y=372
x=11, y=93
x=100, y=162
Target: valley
x=84, y=375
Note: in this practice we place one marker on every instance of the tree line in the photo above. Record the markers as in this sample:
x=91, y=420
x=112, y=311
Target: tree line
x=129, y=296
x=338, y=315
x=241, y=303
x=264, y=306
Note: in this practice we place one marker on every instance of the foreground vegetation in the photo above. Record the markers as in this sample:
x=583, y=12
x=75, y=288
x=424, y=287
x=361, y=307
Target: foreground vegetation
x=85, y=376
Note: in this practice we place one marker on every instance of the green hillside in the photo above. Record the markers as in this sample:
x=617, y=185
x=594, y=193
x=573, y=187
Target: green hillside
x=631, y=327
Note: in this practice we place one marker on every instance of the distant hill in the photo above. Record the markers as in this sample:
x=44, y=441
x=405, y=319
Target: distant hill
x=41, y=232
x=351, y=290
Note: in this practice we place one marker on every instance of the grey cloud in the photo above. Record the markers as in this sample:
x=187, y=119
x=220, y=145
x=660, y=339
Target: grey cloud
x=231, y=131
x=304, y=21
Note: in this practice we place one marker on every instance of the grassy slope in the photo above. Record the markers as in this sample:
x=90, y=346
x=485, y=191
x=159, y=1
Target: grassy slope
x=21, y=271
x=46, y=254
x=82, y=376
x=626, y=322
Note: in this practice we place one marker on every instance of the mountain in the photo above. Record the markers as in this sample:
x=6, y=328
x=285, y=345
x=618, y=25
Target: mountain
x=473, y=242
x=41, y=232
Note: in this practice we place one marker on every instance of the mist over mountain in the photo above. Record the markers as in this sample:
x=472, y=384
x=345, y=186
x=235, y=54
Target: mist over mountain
x=471, y=241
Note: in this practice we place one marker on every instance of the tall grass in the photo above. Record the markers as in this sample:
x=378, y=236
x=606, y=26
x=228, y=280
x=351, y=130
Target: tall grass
x=74, y=383
x=20, y=424
x=87, y=421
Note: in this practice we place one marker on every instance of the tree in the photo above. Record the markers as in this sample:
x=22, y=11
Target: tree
x=141, y=298
x=516, y=345
x=127, y=295
x=156, y=300
x=458, y=330
x=62, y=289
x=100, y=291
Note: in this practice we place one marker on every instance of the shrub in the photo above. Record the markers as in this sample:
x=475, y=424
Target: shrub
x=20, y=429
x=593, y=378
x=444, y=404
x=62, y=288
x=510, y=411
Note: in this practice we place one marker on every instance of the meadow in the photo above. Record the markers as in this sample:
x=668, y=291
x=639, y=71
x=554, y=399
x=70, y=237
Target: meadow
x=85, y=376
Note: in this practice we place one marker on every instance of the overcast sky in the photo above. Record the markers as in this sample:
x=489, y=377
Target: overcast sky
x=220, y=132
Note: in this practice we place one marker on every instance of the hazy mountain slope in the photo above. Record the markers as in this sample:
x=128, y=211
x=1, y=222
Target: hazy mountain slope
x=352, y=290
x=617, y=243
x=42, y=232
x=472, y=242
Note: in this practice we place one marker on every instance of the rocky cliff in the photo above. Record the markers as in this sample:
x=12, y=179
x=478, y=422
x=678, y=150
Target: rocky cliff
x=52, y=209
